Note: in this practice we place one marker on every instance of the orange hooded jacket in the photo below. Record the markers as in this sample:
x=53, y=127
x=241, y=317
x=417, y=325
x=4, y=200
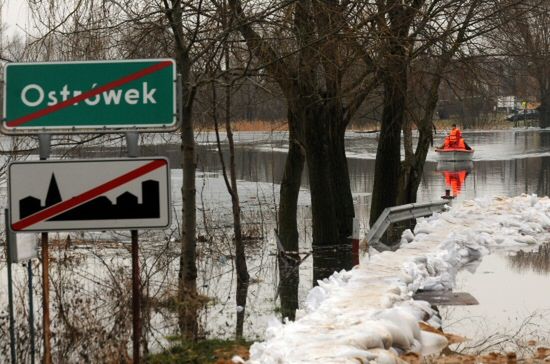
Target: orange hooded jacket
x=455, y=136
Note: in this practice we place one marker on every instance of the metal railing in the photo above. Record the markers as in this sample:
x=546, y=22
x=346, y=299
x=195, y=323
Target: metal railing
x=401, y=213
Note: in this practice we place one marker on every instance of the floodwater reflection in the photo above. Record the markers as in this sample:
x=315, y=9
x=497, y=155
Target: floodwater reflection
x=513, y=303
x=537, y=261
x=507, y=163
x=455, y=174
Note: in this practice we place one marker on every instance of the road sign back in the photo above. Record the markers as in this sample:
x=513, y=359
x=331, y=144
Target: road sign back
x=94, y=96
x=100, y=194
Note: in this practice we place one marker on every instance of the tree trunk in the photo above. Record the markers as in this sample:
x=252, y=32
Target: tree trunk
x=240, y=255
x=243, y=277
x=340, y=175
x=543, y=186
x=342, y=196
x=288, y=227
x=388, y=160
x=325, y=155
x=397, y=18
x=187, y=278
x=407, y=166
x=412, y=170
x=413, y=167
x=188, y=297
x=232, y=188
x=326, y=237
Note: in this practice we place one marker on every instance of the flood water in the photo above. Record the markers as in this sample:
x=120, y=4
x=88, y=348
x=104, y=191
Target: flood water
x=506, y=163
x=514, y=303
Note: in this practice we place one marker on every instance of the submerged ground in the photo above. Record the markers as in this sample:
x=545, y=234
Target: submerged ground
x=92, y=272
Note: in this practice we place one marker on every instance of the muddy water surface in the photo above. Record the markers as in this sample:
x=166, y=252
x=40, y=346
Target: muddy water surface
x=505, y=163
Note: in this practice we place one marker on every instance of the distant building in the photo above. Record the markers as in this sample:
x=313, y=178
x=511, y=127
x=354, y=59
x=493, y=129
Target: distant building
x=512, y=103
x=508, y=103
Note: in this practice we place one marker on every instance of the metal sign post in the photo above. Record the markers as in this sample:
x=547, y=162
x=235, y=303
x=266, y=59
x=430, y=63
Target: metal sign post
x=46, y=299
x=132, y=139
x=104, y=194
x=20, y=251
x=44, y=150
x=136, y=298
x=9, y=238
x=31, y=312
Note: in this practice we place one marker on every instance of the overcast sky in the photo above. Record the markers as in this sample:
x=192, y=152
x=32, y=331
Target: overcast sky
x=14, y=15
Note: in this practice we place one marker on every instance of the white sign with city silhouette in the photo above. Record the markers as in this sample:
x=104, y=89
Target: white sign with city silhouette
x=99, y=194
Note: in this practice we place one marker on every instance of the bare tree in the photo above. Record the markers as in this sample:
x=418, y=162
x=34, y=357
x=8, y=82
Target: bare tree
x=224, y=68
x=457, y=26
x=394, y=27
x=434, y=34
x=524, y=36
x=187, y=293
x=169, y=28
x=309, y=50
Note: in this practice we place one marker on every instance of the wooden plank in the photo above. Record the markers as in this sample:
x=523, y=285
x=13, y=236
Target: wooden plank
x=446, y=298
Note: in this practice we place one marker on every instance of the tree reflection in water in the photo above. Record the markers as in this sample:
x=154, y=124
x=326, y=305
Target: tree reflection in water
x=543, y=188
x=538, y=261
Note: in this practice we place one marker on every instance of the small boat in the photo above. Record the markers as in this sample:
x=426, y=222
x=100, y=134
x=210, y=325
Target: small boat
x=454, y=154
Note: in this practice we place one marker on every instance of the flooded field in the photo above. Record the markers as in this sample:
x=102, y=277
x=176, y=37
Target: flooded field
x=514, y=302
x=505, y=163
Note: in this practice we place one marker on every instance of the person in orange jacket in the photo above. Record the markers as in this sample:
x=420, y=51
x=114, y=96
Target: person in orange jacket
x=454, y=136
x=455, y=140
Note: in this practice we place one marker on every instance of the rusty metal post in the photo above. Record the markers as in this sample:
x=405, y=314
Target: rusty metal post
x=44, y=151
x=136, y=298
x=46, y=299
x=31, y=311
x=132, y=143
x=9, y=243
x=355, y=242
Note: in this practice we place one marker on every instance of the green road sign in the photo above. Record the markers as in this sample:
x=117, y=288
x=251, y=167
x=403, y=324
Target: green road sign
x=95, y=96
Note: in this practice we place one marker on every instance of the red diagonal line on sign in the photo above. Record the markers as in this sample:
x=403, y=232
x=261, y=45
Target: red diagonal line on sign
x=86, y=196
x=96, y=91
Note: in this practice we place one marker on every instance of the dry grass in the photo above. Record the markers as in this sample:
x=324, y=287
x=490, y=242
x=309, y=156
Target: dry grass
x=260, y=125
x=203, y=352
x=491, y=358
x=540, y=355
x=282, y=125
x=225, y=355
x=451, y=338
